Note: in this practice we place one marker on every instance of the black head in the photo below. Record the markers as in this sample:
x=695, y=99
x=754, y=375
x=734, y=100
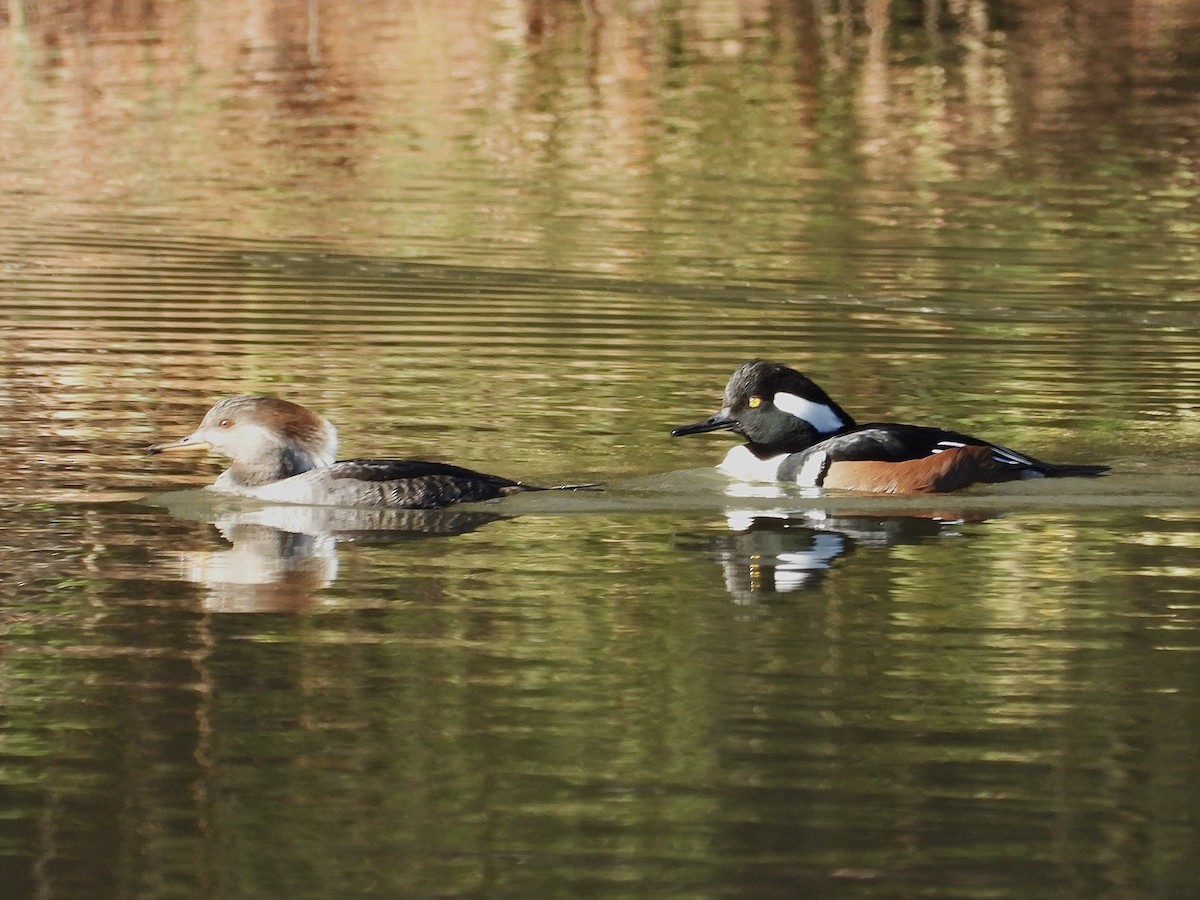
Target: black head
x=775, y=408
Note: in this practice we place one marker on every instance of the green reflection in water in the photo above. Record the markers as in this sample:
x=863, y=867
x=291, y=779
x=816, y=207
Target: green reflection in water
x=450, y=717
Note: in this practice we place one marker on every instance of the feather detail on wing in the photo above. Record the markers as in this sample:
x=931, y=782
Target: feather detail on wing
x=400, y=469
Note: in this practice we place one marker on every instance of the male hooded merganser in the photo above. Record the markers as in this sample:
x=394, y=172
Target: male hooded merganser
x=795, y=432
x=284, y=453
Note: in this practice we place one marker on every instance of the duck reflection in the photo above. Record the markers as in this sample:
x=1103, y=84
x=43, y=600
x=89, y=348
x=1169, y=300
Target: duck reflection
x=265, y=569
x=281, y=557
x=772, y=553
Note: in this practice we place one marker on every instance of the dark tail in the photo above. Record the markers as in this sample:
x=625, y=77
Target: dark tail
x=520, y=486
x=1055, y=470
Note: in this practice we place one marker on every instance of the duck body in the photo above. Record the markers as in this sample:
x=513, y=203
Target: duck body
x=394, y=483
x=795, y=432
x=281, y=452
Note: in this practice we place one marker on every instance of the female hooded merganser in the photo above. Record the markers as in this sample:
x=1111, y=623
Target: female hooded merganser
x=795, y=432
x=284, y=453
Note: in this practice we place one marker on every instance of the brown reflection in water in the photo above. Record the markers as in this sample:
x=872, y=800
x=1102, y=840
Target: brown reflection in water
x=261, y=92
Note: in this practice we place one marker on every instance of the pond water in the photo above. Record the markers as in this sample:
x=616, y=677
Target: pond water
x=531, y=238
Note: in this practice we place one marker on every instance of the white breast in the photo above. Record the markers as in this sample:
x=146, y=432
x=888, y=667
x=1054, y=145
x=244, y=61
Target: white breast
x=742, y=464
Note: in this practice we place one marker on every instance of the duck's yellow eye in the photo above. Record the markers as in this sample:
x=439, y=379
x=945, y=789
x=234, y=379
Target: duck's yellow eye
x=755, y=402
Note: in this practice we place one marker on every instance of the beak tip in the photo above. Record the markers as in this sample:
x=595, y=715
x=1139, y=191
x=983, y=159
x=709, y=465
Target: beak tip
x=718, y=422
x=187, y=443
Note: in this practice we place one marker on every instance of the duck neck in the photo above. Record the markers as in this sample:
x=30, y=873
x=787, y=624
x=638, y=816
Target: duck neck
x=799, y=435
x=285, y=462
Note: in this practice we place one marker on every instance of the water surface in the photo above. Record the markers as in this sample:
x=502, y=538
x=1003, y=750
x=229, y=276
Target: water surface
x=531, y=239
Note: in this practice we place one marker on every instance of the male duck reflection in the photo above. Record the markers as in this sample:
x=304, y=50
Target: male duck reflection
x=284, y=453
x=795, y=432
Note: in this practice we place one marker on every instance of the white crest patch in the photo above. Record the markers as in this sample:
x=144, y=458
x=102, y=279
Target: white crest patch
x=819, y=415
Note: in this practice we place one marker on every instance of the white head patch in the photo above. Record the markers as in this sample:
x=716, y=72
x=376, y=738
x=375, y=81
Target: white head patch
x=818, y=415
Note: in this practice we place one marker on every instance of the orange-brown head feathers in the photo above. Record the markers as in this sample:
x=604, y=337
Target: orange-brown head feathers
x=265, y=437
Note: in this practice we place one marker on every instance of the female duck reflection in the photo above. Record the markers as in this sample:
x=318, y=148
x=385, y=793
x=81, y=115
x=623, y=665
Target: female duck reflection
x=280, y=558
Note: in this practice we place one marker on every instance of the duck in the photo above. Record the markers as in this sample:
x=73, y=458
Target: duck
x=795, y=432
x=282, y=452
